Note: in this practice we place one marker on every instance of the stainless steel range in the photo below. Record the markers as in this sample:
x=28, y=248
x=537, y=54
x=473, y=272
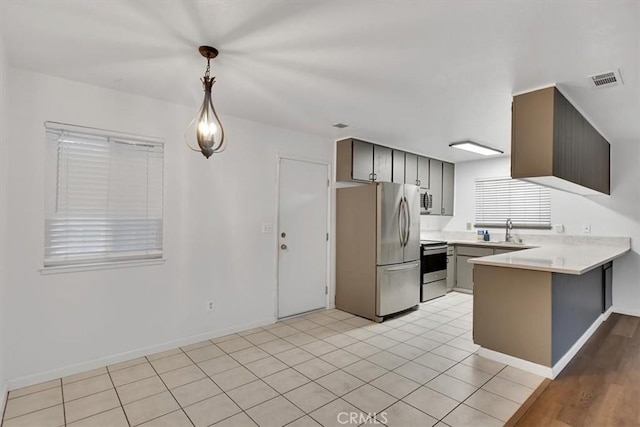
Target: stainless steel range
x=433, y=269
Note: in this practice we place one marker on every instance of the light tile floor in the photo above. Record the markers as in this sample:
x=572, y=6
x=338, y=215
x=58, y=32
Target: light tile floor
x=328, y=368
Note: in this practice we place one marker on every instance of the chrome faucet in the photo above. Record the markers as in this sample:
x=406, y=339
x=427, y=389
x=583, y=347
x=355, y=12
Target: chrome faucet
x=508, y=228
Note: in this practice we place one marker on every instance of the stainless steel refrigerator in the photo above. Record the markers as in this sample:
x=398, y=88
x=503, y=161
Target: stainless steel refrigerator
x=377, y=249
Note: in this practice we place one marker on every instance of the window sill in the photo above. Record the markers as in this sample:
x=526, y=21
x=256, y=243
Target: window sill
x=101, y=266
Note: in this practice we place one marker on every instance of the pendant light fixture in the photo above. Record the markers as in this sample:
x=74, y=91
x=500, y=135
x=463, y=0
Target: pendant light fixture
x=206, y=125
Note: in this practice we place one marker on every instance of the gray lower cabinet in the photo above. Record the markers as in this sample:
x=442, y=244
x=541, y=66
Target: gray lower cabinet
x=464, y=272
x=448, y=182
x=451, y=268
x=607, y=285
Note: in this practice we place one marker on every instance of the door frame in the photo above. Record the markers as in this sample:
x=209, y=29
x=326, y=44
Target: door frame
x=279, y=159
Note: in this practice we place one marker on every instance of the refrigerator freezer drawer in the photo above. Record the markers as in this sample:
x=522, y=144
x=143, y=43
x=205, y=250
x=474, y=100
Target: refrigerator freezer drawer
x=398, y=287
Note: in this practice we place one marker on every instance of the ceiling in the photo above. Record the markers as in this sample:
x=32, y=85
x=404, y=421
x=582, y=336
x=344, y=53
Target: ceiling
x=411, y=74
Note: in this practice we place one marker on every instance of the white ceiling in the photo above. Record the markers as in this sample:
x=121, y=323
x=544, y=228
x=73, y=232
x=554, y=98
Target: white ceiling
x=412, y=74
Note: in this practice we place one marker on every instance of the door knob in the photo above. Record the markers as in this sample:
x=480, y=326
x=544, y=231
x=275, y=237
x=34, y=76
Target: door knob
x=283, y=246
x=283, y=234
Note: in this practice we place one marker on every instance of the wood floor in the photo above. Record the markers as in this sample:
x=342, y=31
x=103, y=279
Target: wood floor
x=600, y=387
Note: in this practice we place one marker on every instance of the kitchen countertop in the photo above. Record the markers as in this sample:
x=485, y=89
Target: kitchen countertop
x=556, y=254
x=566, y=259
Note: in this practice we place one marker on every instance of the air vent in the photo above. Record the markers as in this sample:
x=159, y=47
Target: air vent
x=610, y=79
x=340, y=125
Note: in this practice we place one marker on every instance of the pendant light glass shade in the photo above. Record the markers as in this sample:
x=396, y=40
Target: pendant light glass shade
x=206, y=126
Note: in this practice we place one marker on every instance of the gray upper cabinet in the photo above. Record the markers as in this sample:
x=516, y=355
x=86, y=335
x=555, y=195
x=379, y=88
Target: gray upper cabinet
x=398, y=167
x=448, y=181
x=362, y=160
x=411, y=169
x=354, y=160
x=423, y=172
x=382, y=164
x=435, y=185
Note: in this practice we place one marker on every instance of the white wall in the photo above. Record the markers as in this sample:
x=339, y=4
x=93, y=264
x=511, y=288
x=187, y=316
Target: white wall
x=214, y=247
x=615, y=215
x=3, y=180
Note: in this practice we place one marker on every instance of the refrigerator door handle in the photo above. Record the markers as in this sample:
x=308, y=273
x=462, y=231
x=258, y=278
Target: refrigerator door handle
x=400, y=223
x=407, y=222
x=404, y=222
x=407, y=266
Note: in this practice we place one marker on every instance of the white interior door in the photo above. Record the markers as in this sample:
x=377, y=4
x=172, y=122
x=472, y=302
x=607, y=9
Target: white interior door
x=302, y=236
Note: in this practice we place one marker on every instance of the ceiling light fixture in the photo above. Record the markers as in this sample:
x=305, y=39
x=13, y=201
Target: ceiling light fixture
x=474, y=147
x=208, y=129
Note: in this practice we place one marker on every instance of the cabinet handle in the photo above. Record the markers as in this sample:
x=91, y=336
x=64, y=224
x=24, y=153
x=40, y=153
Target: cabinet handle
x=371, y=176
x=375, y=176
x=418, y=182
x=442, y=211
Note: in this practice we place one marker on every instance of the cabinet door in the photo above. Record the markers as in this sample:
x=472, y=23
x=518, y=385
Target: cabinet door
x=451, y=272
x=423, y=172
x=448, y=176
x=464, y=272
x=411, y=169
x=398, y=167
x=362, y=168
x=382, y=164
x=435, y=185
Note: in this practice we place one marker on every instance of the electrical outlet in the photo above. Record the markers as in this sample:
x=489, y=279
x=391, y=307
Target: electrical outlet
x=586, y=229
x=209, y=305
x=559, y=228
x=267, y=228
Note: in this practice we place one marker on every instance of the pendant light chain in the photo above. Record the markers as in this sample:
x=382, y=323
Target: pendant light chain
x=206, y=73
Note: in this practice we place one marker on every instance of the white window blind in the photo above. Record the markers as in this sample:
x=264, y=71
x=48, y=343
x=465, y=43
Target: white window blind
x=103, y=197
x=498, y=199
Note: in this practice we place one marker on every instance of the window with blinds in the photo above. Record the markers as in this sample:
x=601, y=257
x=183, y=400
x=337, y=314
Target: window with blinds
x=103, y=197
x=498, y=199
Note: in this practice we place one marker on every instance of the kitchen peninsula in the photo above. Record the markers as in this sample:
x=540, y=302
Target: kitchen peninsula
x=535, y=308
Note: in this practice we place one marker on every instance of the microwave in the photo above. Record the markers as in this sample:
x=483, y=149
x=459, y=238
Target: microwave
x=426, y=202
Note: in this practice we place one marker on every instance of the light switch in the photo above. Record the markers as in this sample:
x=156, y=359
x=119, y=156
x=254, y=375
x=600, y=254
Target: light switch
x=267, y=228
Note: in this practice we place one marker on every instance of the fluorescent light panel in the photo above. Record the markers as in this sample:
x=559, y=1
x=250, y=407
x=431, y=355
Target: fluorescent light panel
x=474, y=147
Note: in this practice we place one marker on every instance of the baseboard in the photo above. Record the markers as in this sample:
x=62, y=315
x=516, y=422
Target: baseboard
x=525, y=365
x=546, y=371
x=564, y=360
x=3, y=397
x=635, y=313
x=53, y=374
x=606, y=314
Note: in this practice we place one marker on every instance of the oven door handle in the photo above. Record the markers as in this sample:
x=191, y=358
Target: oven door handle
x=434, y=251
